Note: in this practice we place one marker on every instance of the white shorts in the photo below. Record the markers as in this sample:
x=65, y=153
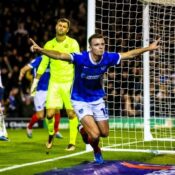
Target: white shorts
x=96, y=109
x=40, y=100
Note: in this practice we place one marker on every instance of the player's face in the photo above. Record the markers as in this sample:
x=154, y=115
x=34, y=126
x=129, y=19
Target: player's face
x=97, y=46
x=62, y=28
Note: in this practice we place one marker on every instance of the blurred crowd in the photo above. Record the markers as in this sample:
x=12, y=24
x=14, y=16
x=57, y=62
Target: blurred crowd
x=124, y=84
x=122, y=23
x=36, y=19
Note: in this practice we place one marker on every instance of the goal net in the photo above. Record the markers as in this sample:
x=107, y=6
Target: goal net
x=140, y=92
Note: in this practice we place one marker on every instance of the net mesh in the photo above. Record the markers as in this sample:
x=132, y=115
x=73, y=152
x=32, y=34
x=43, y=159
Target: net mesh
x=121, y=22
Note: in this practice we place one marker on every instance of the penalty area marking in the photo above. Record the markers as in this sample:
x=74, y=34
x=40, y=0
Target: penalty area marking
x=42, y=161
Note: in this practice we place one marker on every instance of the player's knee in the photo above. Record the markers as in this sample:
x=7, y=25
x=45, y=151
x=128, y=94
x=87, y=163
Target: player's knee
x=95, y=135
x=104, y=134
x=71, y=114
x=50, y=115
x=40, y=115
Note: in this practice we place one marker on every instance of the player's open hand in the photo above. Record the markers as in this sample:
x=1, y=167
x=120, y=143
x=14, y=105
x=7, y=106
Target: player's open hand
x=155, y=45
x=34, y=47
x=34, y=87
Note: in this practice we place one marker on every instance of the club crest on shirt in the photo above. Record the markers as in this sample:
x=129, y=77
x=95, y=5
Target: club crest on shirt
x=103, y=67
x=81, y=111
x=39, y=107
x=66, y=46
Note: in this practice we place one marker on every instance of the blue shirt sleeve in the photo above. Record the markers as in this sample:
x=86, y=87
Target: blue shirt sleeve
x=114, y=58
x=35, y=62
x=78, y=58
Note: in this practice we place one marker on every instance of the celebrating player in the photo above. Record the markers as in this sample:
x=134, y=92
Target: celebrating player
x=61, y=77
x=39, y=96
x=87, y=92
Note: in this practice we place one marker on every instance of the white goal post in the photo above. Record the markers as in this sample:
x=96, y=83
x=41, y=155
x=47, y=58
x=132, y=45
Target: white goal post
x=140, y=92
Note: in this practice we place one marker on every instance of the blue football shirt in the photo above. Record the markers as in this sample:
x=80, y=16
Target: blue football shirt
x=87, y=84
x=44, y=80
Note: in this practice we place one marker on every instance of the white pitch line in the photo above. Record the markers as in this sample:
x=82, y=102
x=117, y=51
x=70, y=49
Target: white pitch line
x=42, y=161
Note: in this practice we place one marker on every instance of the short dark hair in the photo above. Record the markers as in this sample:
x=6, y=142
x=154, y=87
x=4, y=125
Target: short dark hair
x=64, y=20
x=96, y=35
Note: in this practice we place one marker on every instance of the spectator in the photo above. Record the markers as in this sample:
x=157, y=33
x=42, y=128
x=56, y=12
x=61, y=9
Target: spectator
x=14, y=103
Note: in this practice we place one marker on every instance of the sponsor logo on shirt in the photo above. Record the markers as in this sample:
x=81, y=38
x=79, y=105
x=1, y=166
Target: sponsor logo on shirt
x=103, y=67
x=66, y=46
x=81, y=111
x=90, y=77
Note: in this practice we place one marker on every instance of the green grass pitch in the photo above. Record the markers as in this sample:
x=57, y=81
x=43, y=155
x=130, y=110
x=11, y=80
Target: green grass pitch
x=22, y=155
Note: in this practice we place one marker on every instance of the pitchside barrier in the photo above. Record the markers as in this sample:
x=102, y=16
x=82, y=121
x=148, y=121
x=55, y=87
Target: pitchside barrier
x=124, y=122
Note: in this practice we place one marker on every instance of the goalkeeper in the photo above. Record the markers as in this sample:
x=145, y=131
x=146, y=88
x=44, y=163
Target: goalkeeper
x=61, y=77
x=3, y=131
x=39, y=96
x=87, y=91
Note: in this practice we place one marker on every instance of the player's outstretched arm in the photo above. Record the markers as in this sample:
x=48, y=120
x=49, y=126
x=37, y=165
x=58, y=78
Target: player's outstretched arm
x=135, y=52
x=50, y=53
x=33, y=87
x=23, y=71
